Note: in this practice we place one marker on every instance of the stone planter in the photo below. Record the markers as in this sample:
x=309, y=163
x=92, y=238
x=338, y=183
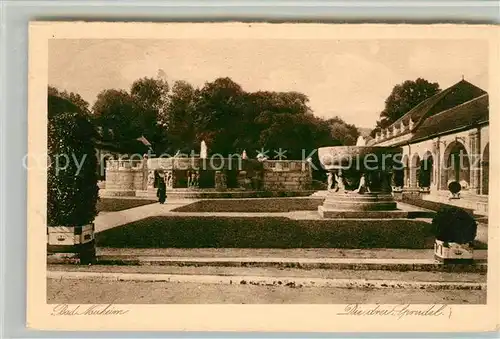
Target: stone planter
x=72, y=239
x=451, y=252
x=425, y=190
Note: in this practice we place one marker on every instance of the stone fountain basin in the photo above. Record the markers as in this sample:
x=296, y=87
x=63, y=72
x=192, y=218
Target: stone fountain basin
x=341, y=156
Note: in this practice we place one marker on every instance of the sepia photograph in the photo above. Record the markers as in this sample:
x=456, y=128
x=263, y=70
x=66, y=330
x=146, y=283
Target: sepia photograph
x=329, y=170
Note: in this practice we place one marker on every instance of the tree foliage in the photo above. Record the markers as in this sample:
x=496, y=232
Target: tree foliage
x=221, y=113
x=346, y=134
x=117, y=114
x=179, y=117
x=218, y=108
x=403, y=98
x=72, y=97
x=150, y=97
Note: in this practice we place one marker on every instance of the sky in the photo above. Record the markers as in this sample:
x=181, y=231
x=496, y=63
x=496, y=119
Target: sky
x=346, y=78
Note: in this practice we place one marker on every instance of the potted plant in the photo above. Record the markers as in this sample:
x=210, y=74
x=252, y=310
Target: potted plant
x=455, y=230
x=454, y=187
x=72, y=190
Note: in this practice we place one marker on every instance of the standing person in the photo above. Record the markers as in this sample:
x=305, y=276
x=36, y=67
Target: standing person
x=161, y=193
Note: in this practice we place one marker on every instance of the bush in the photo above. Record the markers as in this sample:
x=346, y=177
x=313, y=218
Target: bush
x=72, y=192
x=453, y=224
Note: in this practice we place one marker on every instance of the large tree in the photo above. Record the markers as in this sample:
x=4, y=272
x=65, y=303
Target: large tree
x=74, y=98
x=346, y=134
x=150, y=96
x=218, y=108
x=117, y=114
x=179, y=117
x=403, y=98
x=297, y=134
x=222, y=114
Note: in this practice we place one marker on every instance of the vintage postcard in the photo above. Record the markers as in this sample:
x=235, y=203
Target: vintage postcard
x=262, y=177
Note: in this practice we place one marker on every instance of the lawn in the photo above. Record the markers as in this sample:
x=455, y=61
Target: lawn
x=267, y=232
x=120, y=204
x=253, y=205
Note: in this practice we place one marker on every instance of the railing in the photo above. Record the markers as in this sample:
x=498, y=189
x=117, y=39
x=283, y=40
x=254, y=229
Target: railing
x=285, y=165
x=124, y=164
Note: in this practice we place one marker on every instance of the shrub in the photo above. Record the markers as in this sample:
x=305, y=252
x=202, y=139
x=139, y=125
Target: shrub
x=424, y=178
x=72, y=191
x=453, y=224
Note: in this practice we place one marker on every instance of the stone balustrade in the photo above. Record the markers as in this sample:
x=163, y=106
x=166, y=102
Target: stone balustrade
x=213, y=173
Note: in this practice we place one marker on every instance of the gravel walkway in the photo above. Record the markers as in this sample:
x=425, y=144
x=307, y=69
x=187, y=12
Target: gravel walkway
x=131, y=292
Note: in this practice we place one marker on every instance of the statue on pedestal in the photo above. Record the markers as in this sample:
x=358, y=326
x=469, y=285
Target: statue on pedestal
x=329, y=181
x=339, y=181
x=169, y=179
x=151, y=179
x=220, y=180
x=193, y=179
x=203, y=150
x=363, y=186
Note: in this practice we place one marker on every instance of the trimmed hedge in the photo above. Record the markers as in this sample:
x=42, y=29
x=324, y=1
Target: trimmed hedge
x=267, y=232
x=72, y=191
x=453, y=224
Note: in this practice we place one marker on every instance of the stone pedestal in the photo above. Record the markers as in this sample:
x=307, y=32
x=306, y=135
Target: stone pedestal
x=355, y=205
x=359, y=202
x=371, y=198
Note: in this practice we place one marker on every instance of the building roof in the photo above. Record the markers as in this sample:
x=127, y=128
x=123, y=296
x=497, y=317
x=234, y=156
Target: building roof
x=450, y=99
x=457, y=94
x=471, y=113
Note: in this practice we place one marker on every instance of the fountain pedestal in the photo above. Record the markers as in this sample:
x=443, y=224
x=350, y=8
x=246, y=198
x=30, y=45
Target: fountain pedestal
x=353, y=205
x=362, y=182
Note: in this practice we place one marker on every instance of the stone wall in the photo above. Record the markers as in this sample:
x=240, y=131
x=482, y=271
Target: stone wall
x=125, y=177
x=286, y=175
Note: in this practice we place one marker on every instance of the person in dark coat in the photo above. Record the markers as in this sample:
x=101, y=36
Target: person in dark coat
x=161, y=193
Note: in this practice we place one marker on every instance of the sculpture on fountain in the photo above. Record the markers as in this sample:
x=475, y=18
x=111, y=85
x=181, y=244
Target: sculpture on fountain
x=203, y=150
x=329, y=181
x=362, y=180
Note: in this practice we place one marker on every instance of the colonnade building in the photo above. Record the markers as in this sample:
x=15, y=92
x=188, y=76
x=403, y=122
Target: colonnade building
x=444, y=138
